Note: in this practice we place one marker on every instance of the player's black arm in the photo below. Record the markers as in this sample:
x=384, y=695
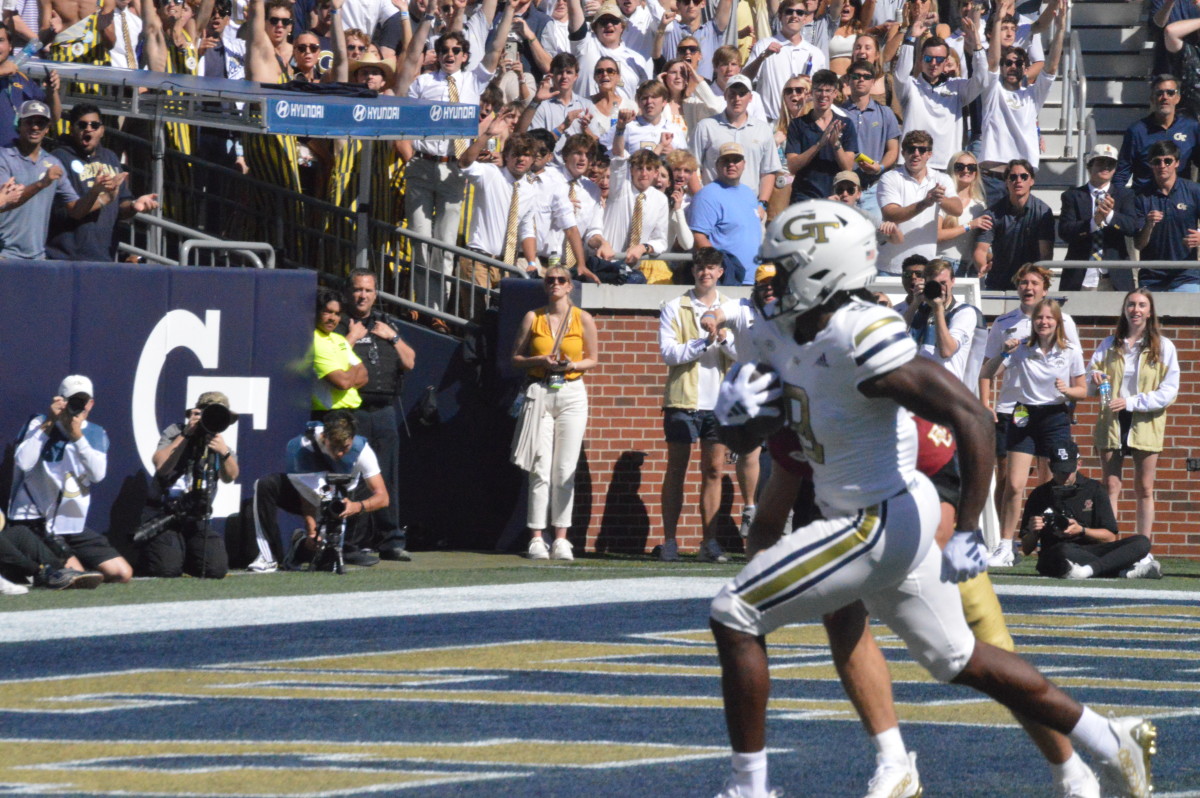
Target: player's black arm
x=933, y=393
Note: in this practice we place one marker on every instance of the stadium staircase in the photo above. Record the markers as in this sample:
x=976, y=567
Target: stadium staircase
x=1113, y=61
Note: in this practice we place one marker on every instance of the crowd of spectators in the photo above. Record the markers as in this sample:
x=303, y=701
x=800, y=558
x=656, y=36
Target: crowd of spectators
x=937, y=119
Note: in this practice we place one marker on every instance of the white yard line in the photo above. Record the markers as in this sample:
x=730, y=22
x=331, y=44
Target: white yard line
x=37, y=625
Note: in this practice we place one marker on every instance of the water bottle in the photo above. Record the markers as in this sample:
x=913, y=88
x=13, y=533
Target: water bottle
x=31, y=48
x=1105, y=391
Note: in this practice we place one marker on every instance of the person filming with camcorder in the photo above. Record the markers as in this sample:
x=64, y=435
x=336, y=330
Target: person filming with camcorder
x=176, y=535
x=325, y=466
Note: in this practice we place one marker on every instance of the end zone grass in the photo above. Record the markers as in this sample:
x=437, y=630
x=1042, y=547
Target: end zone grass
x=457, y=569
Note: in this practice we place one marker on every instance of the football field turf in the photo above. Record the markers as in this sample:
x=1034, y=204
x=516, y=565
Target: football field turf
x=477, y=675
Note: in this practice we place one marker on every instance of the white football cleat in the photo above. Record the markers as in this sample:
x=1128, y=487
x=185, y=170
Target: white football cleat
x=895, y=779
x=262, y=565
x=1128, y=775
x=1085, y=787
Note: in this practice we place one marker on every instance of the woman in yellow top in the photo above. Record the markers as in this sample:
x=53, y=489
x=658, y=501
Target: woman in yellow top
x=559, y=368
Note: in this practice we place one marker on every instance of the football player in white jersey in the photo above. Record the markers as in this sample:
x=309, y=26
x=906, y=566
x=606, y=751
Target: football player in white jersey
x=847, y=371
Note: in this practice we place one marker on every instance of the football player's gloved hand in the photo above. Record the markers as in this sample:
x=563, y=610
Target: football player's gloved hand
x=747, y=393
x=965, y=556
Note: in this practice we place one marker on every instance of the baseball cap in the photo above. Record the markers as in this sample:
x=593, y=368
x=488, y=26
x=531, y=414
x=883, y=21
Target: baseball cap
x=847, y=176
x=1102, y=151
x=739, y=80
x=1064, y=459
x=764, y=272
x=76, y=383
x=33, y=108
x=730, y=148
x=609, y=10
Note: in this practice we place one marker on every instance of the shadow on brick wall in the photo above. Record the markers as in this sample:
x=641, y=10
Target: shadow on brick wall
x=625, y=525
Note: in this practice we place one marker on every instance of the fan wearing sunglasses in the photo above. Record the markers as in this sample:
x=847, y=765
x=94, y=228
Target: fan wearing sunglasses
x=913, y=196
x=776, y=59
x=956, y=234
x=1168, y=214
x=89, y=163
x=1022, y=230
x=606, y=40
x=555, y=346
x=933, y=102
x=1162, y=123
x=688, y=23
x=1010, y=107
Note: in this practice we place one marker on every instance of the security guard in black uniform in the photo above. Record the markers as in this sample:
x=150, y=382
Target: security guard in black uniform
x=376, y=341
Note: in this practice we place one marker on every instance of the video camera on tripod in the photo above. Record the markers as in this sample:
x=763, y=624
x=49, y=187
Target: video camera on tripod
x=331, y=529
x=199, y=465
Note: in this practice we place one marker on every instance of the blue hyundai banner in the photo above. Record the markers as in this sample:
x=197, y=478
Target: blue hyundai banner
x=152, y=339
x=383, y=117
x=273, y=110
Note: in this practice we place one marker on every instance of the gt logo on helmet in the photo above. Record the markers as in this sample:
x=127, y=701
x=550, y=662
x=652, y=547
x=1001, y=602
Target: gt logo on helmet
x=808, y=229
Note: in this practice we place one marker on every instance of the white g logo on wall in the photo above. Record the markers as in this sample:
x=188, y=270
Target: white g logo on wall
x=248, y=396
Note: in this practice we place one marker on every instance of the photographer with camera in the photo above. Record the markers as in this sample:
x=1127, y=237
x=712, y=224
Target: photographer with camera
x=328, y=447
x=60, y=456
x=1071, y=518
x=942, y=326
x=176, y=535
x=374, y=338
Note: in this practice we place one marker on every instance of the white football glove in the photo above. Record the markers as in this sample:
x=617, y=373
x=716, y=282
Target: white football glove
x=965, y=556
x=746, y=395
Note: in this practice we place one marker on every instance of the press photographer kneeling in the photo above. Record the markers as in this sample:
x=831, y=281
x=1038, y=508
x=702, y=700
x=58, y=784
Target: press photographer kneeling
x=1072, y=519
x=176, y=536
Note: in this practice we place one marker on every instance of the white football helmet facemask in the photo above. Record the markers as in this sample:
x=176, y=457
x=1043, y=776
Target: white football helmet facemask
x=818, y=247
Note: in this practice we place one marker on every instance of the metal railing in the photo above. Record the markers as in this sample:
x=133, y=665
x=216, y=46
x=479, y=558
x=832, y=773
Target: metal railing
x=1076, y=116
x=422, y=273
x=158, y=240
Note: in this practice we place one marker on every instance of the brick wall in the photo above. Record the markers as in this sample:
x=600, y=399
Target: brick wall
x=626, y=456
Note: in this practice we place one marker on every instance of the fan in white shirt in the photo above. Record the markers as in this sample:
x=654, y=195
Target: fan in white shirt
x=605, y=39
x=690, y=24
x=776, y=60
x=652, y=129
x=632, y=184
x=553, y=214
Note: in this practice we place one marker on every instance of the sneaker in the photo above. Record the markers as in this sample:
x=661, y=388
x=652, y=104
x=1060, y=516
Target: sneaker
x=1085, y=787
x=669, y=552
x=1129, y=774
x=262, y=565
x=537, y=550
x=363, y=558
x=561, y=550
x=747, y=520
x=395, y=555
x=7, y=588
x=1002, y=556
x=1077, y=571
x=711, y=551
x=731, y=791
x=68, y=578
x=895, y=779
x=1145, y=568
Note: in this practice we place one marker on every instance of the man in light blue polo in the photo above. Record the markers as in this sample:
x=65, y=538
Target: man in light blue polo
x=25, y=222
x=726, y=215
x=877, y=130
